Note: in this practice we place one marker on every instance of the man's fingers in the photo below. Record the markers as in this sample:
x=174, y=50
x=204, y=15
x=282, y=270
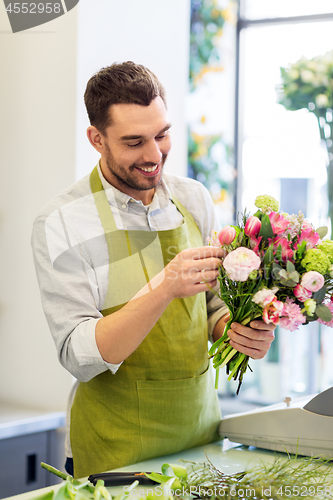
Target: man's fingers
x=254, y=333
x=251, y=352
x=202, y=253
x=261, y=325
x=253, y=341
x=204, y=287
x=209, y=263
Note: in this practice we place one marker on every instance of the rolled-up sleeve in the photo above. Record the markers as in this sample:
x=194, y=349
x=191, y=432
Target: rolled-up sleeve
x=69, y=295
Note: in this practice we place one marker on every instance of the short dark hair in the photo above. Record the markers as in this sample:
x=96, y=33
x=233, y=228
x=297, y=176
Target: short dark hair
x=126, y=83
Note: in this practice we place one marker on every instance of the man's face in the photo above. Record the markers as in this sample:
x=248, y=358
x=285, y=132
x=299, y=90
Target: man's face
x=136, y=146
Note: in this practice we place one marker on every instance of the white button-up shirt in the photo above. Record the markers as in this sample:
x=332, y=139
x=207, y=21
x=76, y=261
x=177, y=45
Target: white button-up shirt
x=72, y=260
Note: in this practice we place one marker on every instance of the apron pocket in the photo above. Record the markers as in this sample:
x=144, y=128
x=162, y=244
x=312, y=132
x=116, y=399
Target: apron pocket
x=177, y=414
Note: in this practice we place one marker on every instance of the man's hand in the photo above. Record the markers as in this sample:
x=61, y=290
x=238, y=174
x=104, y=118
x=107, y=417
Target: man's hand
x=253, y=340
x=192, y=271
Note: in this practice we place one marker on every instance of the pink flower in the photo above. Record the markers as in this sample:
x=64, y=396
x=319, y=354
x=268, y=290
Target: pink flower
x=265, y=296
x=307, y=225
x=287, y=252
x=301, y=293
x=312, y=281
x=213, y=239
x=327, y=323
x=273, y=311
x=310, y=236
x=227, y=235
x=240, y=263
x=278, y=222
x=254, y=243
x=292, y=316
x=252, y=226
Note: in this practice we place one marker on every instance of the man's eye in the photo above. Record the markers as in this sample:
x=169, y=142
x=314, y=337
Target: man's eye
x=134, y=145
x=160, y=137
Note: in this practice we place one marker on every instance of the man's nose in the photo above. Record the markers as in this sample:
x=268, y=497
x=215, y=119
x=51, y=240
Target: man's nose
x=152, y=153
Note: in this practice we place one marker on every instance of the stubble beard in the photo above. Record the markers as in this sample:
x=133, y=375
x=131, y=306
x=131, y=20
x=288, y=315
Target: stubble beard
x=128, y=177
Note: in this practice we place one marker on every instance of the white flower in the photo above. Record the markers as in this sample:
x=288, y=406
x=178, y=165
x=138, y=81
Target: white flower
x=294, y=73
x=261, y=296
x=307, y=76
x=213, y=239
x=321, y=101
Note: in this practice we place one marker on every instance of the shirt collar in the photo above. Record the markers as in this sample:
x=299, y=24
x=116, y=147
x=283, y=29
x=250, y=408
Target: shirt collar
x=161, y=198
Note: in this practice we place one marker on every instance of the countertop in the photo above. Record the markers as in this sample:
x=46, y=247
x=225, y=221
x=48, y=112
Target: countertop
x=228, y=457
x=17, y=420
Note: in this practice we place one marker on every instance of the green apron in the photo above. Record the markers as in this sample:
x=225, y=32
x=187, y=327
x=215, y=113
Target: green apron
x=162, y=398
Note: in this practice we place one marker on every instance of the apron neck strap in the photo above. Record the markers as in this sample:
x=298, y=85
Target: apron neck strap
x=102, y=203
x=103, y=207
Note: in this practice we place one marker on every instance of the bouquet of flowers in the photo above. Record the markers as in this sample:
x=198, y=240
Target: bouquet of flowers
x=277, y=268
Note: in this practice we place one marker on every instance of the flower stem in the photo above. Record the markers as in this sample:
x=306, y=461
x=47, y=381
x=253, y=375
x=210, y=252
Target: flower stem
x=239, y=361
x=228, y=357
x=217, y=371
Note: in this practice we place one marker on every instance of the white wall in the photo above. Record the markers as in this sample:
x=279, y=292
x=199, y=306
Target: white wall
x=37, y=151
x=42, y=139
x=154, y=33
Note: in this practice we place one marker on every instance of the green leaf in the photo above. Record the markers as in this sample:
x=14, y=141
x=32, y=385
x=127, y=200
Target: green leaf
x=276, y=270
x=179, y=470
x=45, y=496
x=294, y=276
x=283, y=274
x=320, y=295
x=266, y=230
x=258, y=214
x=62, y=493
x=269, y=255
x=322, y=231
x=237, y=229
x=301, y=249
x=290, y=267
x=159, y=478
x=323, y=313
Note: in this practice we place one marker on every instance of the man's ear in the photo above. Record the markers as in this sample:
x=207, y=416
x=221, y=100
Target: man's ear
x=95, y=138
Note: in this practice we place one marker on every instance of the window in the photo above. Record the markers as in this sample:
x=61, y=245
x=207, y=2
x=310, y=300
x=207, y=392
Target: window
x=282, y=153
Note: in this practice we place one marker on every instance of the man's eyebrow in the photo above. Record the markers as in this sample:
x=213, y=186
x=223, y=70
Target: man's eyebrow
x=135, y=137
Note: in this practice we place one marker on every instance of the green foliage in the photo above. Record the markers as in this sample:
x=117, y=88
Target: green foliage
x=202, y=165
x=306, y=477
x=266, y=230
x=323, y=312
x=207, y=21
x=308, y=83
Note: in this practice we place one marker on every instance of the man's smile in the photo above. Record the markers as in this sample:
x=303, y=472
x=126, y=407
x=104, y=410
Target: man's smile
x=149, y=171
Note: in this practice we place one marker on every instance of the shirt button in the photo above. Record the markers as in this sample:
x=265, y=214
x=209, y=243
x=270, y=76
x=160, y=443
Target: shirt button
x=123, y=206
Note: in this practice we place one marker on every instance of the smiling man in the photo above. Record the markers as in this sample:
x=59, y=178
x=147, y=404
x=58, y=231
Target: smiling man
x=125, y=280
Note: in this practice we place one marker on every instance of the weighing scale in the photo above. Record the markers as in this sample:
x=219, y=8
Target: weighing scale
x=303, y=426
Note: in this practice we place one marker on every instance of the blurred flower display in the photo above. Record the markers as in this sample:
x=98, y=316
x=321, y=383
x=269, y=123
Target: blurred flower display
x=308, y=83
x=210, y=132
